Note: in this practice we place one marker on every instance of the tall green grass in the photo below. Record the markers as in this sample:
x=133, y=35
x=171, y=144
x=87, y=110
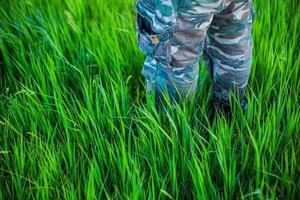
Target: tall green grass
x=74, y=123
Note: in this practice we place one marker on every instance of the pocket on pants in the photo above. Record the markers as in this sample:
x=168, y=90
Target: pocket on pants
x=156, y=45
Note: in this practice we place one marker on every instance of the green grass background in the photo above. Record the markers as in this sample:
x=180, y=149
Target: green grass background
x=74, y=125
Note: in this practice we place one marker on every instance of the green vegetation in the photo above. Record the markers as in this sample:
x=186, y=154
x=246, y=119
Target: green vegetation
x=74, y=123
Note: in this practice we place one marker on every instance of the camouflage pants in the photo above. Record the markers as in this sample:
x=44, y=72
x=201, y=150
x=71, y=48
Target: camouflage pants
x=174, y=34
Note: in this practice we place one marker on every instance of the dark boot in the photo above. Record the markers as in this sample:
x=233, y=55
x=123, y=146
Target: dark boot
x=224, y=109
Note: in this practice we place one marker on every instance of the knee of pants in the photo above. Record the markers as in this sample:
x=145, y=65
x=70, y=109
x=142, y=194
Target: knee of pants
x=235, y=74
x=224, y=85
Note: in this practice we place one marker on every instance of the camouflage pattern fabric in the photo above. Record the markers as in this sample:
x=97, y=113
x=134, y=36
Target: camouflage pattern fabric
x=174, y=34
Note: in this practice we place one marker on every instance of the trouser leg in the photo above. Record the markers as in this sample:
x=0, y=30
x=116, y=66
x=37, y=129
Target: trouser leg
x=172, y=63
x=230, y=47
x=187, y=44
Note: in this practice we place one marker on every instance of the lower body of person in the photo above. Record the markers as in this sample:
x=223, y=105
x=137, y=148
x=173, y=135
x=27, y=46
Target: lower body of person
x=175, y=37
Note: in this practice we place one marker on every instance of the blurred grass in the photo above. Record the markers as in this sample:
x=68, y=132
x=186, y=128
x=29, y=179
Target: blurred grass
x=73, y=122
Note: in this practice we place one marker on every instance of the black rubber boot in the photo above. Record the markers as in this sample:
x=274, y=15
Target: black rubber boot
x=224, y=109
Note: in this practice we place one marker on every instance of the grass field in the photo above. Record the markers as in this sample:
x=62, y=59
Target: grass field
x=73, y=123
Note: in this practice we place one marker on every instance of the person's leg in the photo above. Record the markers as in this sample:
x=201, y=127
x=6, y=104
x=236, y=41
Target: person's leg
x=229, y=51
x=172, y=55
x=187, y=44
